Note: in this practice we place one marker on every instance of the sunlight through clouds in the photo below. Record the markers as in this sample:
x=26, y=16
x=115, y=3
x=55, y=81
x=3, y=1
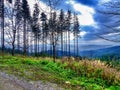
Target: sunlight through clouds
x=86, y=13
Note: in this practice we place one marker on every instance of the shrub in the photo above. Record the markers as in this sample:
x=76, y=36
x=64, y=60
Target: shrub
x=96, y=69
x=64, y=59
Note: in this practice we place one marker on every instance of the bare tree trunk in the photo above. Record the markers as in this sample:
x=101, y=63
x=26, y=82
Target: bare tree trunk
x=2, y=26
x=77, y=47
x=46, y=45
x=61, y=42
x=74, y=48
x=27, y=28
x=24, y=39
x=51, y=48
x=69, y=43
x=13, y=43
x=66, y=45
x=18, y=39
x=43, y=42
x=54, y=52
x=35, y=45
x=14, y=34
x=38, y=45
x=32, y=46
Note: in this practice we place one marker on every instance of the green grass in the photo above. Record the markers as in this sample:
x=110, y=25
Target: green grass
x=31, y=68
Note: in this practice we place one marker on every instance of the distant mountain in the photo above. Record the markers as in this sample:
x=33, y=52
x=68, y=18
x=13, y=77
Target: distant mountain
x=93, y=53
x=101, y=52
x=92, y=47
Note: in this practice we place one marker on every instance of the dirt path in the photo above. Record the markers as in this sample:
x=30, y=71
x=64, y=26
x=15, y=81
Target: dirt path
x=8, y=82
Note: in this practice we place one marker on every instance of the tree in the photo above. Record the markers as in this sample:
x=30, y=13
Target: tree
x=53, y=28
x=16, y=19
x=2, y=25
x=61, y=28
x=68, y=29
x=35, y=26
x=26, y=17
x=44, y=30
x=76, y=31
x=10, y=1
x=18, y=11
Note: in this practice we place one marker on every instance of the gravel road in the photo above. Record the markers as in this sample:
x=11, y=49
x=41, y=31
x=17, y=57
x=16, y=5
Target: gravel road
x=8, y=82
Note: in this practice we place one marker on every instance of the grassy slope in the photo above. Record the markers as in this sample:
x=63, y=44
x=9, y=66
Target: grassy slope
x=73, y=75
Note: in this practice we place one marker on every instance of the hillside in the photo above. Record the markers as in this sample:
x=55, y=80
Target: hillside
x=101, y=52
x=71, y=75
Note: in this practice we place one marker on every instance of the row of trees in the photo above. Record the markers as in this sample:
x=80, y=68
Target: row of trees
x=40, y=31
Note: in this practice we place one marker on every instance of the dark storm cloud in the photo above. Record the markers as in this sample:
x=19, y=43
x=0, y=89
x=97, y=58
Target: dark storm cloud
x=88, y=2
x=91, y=33
x=105, y=21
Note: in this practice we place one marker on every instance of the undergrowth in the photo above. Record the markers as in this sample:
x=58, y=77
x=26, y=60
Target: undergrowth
x=70, y=74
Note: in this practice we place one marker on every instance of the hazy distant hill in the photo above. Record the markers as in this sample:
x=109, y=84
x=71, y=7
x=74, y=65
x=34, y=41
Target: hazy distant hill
x=101, y=52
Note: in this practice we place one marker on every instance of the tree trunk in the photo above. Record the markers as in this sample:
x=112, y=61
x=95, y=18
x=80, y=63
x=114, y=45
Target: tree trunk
x=2, y=26
x=43, y=42
x=69, y=43
x=66, y=44
x=13, y=43
x=46, y=45
x=24, y=37
x=18, y=39
x=35, y=45
x=14, y=34
x=77, y=47
x=61, y=42
x=74, y=47
x=51, y=48
x=54, y=53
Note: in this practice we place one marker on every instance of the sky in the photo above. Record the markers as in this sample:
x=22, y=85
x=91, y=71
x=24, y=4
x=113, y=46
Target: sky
x=93, y=25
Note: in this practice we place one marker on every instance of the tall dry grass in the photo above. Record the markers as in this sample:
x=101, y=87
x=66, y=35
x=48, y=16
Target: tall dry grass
x=95, y=69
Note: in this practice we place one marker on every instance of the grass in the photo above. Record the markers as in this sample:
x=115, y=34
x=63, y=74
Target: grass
x=72, y=75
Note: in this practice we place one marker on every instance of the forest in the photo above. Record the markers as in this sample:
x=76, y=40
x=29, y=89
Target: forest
x=38, y=32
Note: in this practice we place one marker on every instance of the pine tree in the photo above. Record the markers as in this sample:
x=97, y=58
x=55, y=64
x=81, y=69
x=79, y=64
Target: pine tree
x=61, y=27
x=44, y=29
x=76, y=32
x=35, y=26
x=10, y=1
x=26, y=17
x=18, y=17
x=46, y=34
x=53, y=29
x=68, y=26
x=2, y=25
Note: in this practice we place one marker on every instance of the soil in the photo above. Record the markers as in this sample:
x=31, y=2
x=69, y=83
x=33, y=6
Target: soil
x=10, y=82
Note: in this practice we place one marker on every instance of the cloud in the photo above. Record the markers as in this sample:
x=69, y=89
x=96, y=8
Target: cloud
x=107, y=23
x=103, y=1
x=85, y=13
x=82, y=33
x=42, y=6
x=91, y=21
x=88, y=2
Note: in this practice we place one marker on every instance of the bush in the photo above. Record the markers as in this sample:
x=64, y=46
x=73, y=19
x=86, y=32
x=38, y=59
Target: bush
x=95, y=69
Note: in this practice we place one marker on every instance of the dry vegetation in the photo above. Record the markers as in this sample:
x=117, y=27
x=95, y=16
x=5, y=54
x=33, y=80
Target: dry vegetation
x=71, y=73
x=93, y=68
